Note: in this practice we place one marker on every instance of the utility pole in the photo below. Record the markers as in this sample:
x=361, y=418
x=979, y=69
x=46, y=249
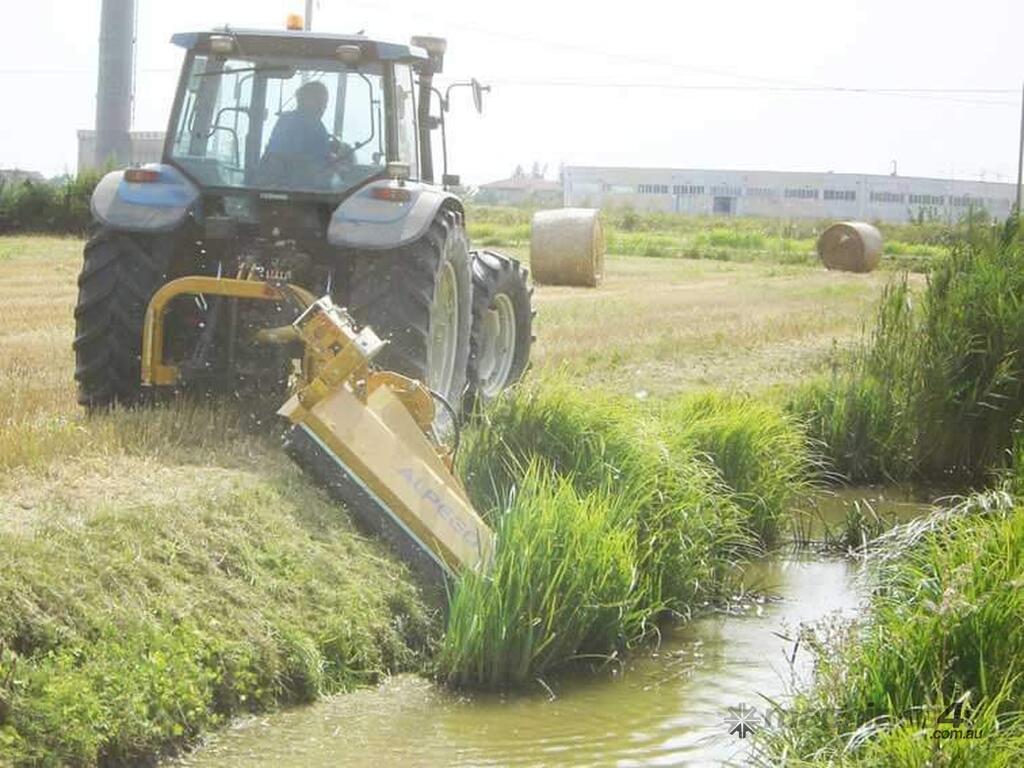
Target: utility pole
x=115, y=83
x=308, y=20
x=1020, y=151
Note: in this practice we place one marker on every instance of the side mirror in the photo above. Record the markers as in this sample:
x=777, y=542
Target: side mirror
x=451, y=180
x=478, y=94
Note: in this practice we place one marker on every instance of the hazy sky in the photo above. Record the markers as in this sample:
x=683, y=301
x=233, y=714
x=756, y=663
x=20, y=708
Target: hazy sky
x=689, y=79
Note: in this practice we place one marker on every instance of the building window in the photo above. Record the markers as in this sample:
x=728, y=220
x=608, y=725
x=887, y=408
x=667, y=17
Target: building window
x=724, y=190
x=688, y=189
x=886, y=197
x=964, y=201
x=847, y=195
x=652, y=189
x=620, y=189
x=761, y=192
x=927, y=200
x=802, y=193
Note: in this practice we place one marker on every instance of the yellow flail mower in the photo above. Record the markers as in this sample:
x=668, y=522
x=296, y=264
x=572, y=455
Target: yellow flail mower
x=368, y=436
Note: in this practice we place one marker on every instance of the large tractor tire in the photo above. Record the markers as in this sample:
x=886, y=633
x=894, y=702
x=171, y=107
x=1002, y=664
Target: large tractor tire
x=419, y=298
x=502, y=324
x=121, y=273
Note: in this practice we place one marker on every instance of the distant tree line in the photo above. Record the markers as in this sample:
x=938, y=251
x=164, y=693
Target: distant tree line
x=58, y=206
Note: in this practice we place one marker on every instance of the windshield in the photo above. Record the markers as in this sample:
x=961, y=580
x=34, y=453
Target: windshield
x=280, y=123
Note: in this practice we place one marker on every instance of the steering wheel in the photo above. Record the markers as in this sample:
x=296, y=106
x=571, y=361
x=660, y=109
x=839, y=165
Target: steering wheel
x=340, y=152
x=342, y=157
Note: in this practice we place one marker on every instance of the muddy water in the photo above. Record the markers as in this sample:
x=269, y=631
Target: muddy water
x=665, y=707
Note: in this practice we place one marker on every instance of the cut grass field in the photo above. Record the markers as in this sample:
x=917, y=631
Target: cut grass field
x=912, y=247
x=663, y=326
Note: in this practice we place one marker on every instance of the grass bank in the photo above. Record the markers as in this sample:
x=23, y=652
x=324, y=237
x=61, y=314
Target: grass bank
x=935, y=392
x=157, y=557
x=144, y=601
x=934, y=675
x=143, y=548
x=610, y=517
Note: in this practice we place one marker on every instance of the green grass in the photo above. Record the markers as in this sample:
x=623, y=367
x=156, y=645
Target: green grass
x=609, y=516
x=761, y=453
x=564, y=587
x=936, y=391
x=946, y=624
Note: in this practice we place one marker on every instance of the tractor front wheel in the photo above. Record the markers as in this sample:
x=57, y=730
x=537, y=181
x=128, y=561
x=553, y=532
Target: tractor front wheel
x=121, y=273
x=502, y=324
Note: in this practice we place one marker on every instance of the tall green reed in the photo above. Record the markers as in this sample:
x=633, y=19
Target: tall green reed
x=579, y=484
x=936, y=392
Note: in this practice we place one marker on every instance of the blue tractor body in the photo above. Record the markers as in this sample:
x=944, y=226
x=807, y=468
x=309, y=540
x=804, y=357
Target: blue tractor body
x=302, y=158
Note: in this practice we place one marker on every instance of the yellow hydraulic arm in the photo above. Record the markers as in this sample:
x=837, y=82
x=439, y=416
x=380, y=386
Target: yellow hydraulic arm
x=366, y=435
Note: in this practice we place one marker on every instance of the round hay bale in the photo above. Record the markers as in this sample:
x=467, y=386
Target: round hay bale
x=850, y=246
x=567, y=247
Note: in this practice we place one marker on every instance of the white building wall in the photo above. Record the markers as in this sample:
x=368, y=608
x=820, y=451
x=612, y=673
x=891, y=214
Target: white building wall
x=779, y=194
x=146, y=147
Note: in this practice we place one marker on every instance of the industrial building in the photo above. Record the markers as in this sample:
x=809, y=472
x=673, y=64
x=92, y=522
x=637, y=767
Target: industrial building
x=143, y=147
x=783, y=194
x=521, y=189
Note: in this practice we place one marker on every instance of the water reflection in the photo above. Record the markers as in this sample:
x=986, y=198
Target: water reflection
x=663, y=708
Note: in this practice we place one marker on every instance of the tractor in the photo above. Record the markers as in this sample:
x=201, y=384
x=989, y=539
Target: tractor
x=302, y=160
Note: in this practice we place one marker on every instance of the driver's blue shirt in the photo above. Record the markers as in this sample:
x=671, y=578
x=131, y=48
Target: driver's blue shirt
x=299, y=133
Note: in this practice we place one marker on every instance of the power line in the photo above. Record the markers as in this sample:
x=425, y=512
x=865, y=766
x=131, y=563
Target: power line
x=931, y=94
x=713, y=71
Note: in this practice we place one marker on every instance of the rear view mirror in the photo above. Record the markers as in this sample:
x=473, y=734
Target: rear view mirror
x=478, y=94
x=277, y=72
x=451, y=180
x=349, y=54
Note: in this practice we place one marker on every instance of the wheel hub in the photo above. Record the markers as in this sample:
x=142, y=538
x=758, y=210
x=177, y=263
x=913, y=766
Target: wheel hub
x=444, y=332
x=498, y=346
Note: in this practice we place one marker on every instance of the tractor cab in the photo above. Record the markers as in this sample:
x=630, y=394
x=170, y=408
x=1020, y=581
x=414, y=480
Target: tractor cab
x=295, y=163
x=297, y=112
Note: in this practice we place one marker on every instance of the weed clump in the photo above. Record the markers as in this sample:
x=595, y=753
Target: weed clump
x=551, y=454
x=760, y=451
x=563, y=586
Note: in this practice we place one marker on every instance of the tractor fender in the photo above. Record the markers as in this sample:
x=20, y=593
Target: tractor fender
x=369, y=220
x=150, y=206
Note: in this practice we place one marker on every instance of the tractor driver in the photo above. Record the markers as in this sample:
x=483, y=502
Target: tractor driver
x=301, y=153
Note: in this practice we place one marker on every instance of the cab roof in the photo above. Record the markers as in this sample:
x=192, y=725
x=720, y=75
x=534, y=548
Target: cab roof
x=299, y=43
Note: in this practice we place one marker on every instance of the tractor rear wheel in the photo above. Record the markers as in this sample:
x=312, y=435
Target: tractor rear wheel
x=121, y=273
x=502, y=324
x=419, y=298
